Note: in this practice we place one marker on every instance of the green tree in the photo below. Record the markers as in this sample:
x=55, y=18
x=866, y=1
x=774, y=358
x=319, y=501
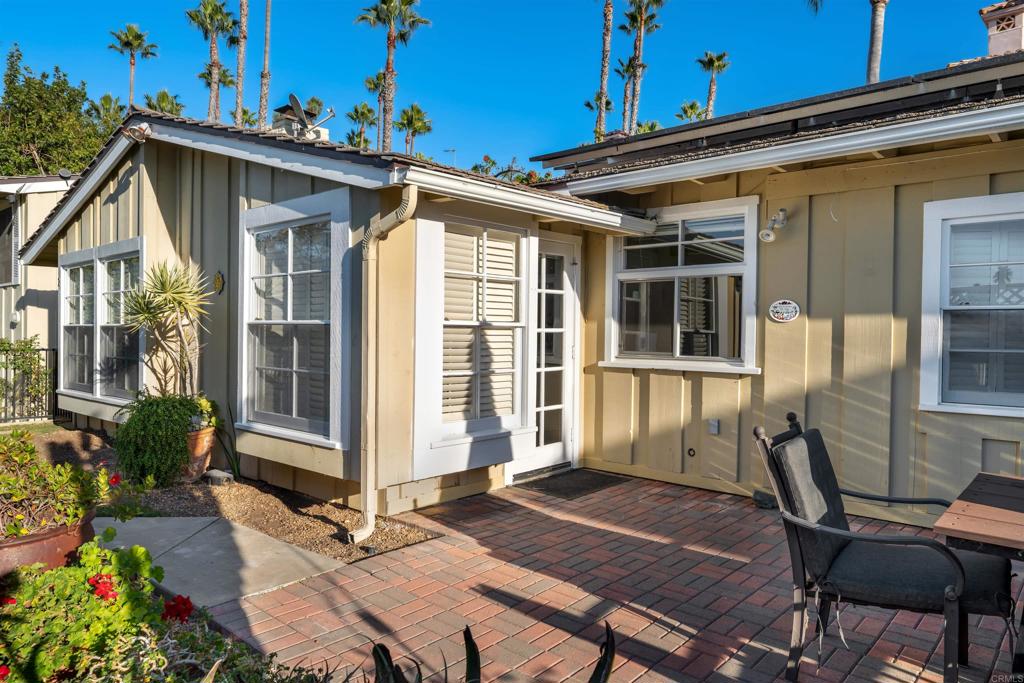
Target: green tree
x=246, y=118
x=314, y=105
x=223, y=77
x=641, y=20
x=362, y=115
x=414, y=122
x=647, y=126
x=690, y=111
x=511, y=172
x=356, y=139
x=400, y=20
x=594, y=105
x=165, y=102
x=874, y=42
x=375, y=86
x=713, y=64
x=106, y=113
x=606, y=54
x=43, y=123
x=213, y=20
x=132, y=42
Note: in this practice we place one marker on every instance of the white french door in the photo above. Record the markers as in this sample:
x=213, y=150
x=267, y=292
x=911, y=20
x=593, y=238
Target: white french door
x=554, y=373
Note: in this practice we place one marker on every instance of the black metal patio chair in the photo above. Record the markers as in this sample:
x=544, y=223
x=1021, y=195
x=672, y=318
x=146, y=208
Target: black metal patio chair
x=833, y=564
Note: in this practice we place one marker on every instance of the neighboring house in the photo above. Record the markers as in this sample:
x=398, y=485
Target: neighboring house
x=28, y=294
x=497, y=332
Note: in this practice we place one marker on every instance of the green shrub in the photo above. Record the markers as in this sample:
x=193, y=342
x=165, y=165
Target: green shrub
x=63, y=624
x=151, y=442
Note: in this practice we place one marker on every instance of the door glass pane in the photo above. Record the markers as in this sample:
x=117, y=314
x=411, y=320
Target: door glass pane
x=552, y=388
x=553, y=310
x=550, y=348
x=552, y=431
x=551, y=272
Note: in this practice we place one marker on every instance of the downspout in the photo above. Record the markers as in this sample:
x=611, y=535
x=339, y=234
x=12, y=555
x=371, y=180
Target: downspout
x=378, y=230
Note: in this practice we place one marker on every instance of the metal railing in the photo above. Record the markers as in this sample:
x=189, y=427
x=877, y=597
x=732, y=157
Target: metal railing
x=28, y=384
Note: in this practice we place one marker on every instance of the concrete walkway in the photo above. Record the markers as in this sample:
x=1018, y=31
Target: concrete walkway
x=214, y=560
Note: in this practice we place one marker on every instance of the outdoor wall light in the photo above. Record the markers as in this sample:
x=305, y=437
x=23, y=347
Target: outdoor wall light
x=139, y=133
x=776, y=222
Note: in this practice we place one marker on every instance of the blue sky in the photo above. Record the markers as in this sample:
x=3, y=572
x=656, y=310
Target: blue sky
x=504, y=77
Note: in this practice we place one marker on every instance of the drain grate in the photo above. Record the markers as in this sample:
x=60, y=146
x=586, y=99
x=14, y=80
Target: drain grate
x=574, y=484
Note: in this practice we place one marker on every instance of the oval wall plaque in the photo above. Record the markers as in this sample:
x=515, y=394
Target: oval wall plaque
x=784, y=311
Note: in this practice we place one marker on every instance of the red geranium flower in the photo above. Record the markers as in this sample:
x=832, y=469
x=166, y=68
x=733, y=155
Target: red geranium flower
x=103, y=585
x=179, y=608
x=5, y=671
x=10, y=601
x=115, y=480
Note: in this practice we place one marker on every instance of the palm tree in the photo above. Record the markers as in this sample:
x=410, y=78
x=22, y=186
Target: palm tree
x=413, y=121
x=690, y=111
x=375, y=85
x=606, y=53
x=265, y=74
x=595, y=105
x=640, y=21
x=362, y=115
x=222, y=77
x=242, y=40
x=314, y=105
x=246, y=118
x=625, y=71
x=713, y=64
x=399, y=19
x=213, y=20
x=132, y=42
x=877, y=32
x=107, y=113
x=647, y=126
x=165, y=102
x=354, y=138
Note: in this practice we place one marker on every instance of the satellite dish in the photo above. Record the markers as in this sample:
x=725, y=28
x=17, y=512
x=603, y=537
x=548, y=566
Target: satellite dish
x=300, y=113
x=64, y=174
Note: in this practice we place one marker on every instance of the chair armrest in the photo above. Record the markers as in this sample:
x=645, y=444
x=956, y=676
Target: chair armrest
x=896, y=499
x=946, y=553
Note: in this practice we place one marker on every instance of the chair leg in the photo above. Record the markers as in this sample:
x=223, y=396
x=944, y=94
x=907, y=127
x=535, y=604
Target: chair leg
x=824, y=611
x=796, y=638
x=951, y=642
x=964, y=639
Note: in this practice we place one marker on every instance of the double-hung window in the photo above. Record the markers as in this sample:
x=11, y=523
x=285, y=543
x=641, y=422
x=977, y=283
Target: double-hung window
x=685, y=294
x=289, y=327
x=482, y=324
x=973, y=304
x=100, y=356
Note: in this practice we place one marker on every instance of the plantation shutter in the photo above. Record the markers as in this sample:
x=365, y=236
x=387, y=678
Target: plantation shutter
x=481, y=300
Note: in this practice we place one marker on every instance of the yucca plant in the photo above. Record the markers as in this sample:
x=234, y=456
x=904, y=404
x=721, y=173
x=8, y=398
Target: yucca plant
x=170, y=307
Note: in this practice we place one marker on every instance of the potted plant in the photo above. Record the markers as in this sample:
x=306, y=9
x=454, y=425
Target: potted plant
x=46, y=510
x=169, y=307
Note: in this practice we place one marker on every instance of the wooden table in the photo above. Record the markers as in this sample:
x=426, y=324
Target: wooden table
x=988, y=517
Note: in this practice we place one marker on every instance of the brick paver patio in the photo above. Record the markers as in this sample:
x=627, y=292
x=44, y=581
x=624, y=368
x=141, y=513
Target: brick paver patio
x=695, y=584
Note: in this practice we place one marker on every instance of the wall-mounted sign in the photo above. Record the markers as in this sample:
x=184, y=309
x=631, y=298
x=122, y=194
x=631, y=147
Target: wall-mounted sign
x=784, y=311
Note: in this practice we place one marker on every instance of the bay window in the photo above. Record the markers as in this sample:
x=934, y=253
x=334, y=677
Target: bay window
x=973, y=302
x=685, y=294
x=482, y=326
x=99, y=355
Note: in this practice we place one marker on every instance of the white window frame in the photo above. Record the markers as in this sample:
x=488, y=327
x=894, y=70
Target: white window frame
x=16, y=205
x=616, y=273
x=97, y=257
x=939, y=216
x=333, y=206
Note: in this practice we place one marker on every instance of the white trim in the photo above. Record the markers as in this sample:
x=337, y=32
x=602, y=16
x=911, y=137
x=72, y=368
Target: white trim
x=84, y=189
x=335, y=205
x=475, y=437
x=748, y=206
x=108, y=400
x=934, y=287
x=979, y=122
x=296, y=160
x=543, y=204
x=289, y=434
x=713, y=366
x=34, y=186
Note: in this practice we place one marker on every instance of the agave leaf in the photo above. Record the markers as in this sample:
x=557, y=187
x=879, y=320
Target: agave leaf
x=212, y=673
x=603, y=670
x=384, y=666
x=472, y=657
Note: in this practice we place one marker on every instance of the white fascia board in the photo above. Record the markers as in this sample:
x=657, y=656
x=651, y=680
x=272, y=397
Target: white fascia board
x=34, y=186
x=529, y=202
x=84, y=189
x=297, y=160
x=980, y=122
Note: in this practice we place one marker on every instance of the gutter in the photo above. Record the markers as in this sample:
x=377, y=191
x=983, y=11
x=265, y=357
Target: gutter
x=378, y=230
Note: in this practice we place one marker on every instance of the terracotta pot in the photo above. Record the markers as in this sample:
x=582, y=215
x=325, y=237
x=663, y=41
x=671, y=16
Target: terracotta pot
x=55, y=547
x=200, y=447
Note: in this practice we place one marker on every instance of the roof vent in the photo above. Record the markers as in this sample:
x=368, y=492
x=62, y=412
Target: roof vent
x=294, y=120
x=1005, y=23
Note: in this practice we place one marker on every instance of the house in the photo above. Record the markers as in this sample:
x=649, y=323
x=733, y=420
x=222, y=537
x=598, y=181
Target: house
x=392, y=332
x=28, y=294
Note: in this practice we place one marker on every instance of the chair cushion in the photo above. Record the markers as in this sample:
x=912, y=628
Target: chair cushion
x=915, y=577
x=813, y=489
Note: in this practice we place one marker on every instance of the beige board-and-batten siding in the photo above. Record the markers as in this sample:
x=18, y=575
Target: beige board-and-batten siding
x=34, y=295
x=851, y=257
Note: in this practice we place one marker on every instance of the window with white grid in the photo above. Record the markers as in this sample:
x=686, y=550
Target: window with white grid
x=482, y=329
x=79, y=312
x=119, y=347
